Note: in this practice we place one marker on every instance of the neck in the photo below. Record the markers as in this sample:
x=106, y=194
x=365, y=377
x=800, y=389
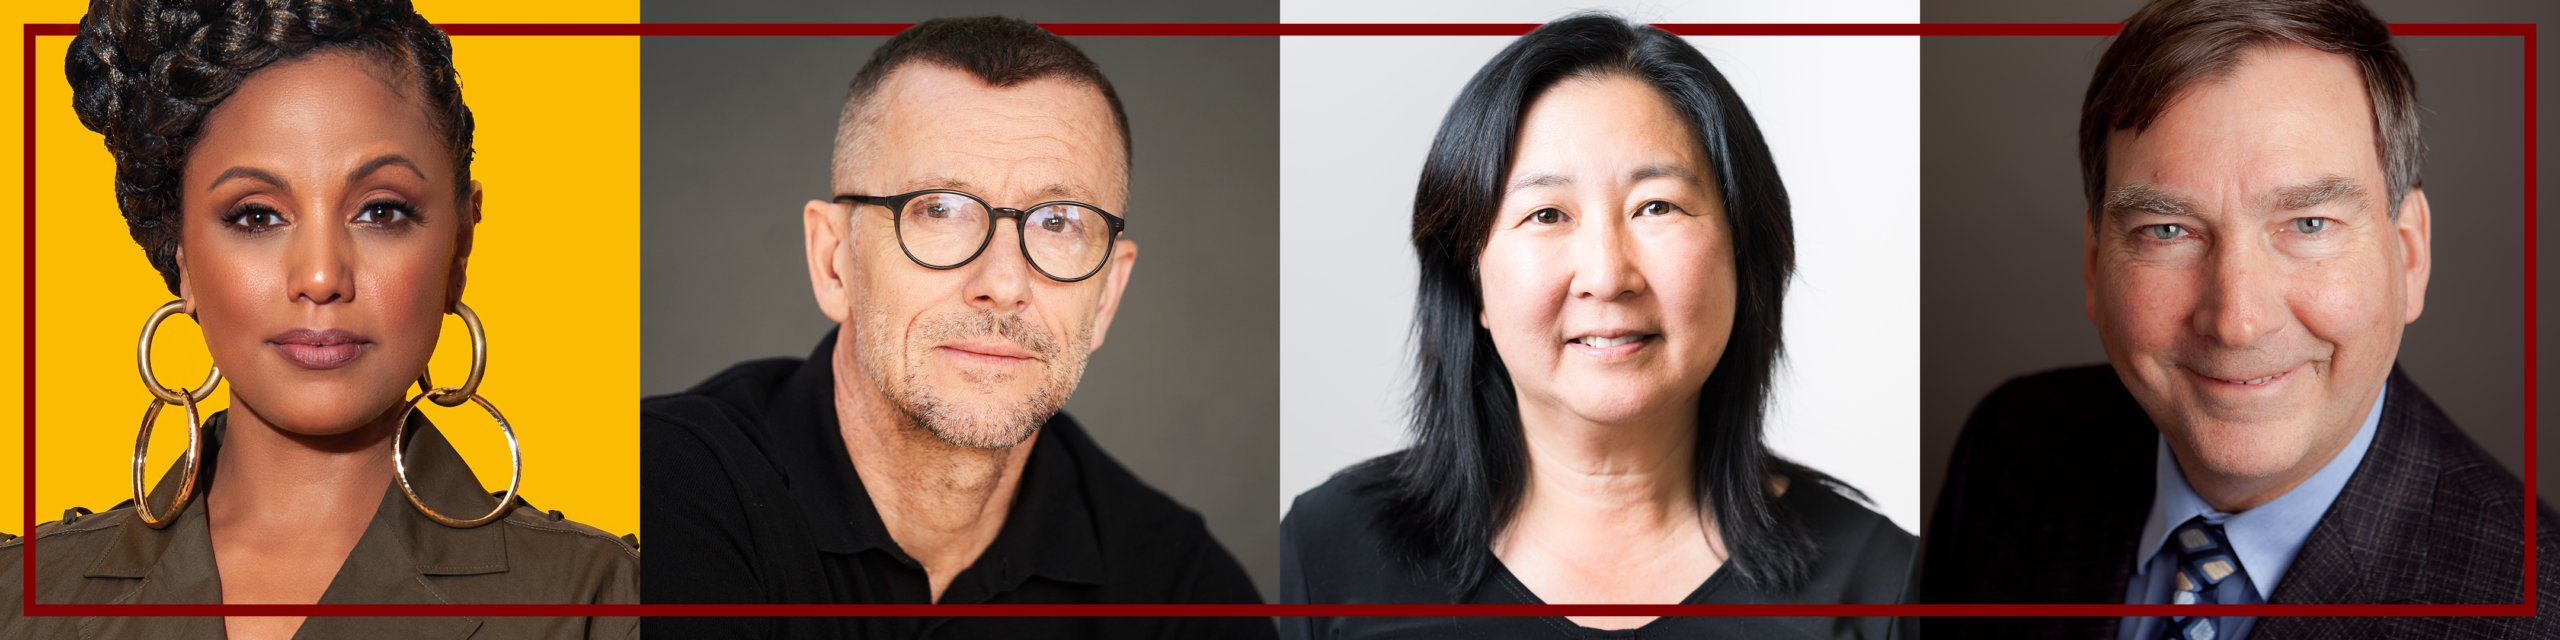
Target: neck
x=273, y=477
x=2234, y=494
x=943, y=503
x=1605, y=481
x=1610, y=513
x=285, y=509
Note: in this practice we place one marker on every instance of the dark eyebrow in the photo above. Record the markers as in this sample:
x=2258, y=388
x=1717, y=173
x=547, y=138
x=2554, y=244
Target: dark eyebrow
x=1649, y=172
x=376, y=164
x=1538, y=180
x=250, y=173
x=2319, y=192
x=2144, y=198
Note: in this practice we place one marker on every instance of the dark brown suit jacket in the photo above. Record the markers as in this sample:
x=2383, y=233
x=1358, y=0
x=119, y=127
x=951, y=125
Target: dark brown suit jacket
x=2052, y=478
x=527, y=557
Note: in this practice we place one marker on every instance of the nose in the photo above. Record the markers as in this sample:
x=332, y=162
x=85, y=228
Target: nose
x=317, y=267
x=2243, y=297
x=1000, y=279
x=1603, y=268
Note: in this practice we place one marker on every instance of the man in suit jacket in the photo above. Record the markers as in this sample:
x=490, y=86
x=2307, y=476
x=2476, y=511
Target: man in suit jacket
x=2258, y=237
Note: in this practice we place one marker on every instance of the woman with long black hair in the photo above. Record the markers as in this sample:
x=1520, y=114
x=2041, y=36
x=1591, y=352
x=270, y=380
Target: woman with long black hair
x=1604, y=246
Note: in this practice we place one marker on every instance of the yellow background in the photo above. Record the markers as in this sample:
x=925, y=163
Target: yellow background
x=554, y=275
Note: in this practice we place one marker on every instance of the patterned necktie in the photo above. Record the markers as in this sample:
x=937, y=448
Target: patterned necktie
x=2207, y=568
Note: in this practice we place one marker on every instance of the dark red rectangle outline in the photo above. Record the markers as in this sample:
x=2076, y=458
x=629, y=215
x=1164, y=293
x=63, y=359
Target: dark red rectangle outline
x=2525, y=608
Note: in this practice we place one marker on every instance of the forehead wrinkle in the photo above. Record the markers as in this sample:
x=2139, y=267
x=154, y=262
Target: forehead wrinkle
x=2142, y=197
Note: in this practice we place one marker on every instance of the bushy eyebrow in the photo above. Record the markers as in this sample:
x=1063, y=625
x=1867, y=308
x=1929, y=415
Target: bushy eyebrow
x=2319, y=192
x=2145, y=198
x=2142, y=197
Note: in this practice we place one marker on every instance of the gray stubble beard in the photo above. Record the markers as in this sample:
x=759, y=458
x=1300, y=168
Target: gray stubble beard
x=922, y=406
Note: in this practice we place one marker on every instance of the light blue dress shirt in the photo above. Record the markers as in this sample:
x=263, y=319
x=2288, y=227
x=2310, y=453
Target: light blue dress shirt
x=2266, y=538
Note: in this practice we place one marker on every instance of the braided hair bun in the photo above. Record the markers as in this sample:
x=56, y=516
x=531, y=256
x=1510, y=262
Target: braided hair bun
x=144, y=73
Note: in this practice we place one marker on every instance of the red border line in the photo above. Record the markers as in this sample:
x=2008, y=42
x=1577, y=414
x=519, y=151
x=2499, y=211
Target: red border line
x=27, y=323
x=2525, y=608
x=2532, y=550
x=1507, y=30
x=1266, y=610
x=1121, y=29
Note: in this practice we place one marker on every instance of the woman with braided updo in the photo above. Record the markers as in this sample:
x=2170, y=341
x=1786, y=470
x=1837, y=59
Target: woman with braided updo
x=299, y=172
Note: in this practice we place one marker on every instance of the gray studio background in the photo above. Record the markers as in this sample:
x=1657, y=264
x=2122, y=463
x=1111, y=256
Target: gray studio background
x=2001, y=214
x=736, y=135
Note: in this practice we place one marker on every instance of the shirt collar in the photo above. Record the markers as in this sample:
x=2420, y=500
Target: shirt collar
x=1049, y=531
x=2266, y=538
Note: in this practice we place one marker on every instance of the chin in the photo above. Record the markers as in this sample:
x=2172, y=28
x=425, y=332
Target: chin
x=985, y=425
x=316, y=410
x=1603, y=407
x=2246, y=449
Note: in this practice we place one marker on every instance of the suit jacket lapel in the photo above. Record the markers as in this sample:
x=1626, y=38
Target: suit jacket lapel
x=2345, y=560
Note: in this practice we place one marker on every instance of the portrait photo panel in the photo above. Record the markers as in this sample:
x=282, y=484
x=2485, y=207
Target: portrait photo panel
x=1357, y=133
x=1184, y=391
x=2003, y=223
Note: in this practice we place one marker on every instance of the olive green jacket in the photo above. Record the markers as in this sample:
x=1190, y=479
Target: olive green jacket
x=528, y=557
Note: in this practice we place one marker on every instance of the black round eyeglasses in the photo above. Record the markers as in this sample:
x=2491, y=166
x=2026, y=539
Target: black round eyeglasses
x=944, y=229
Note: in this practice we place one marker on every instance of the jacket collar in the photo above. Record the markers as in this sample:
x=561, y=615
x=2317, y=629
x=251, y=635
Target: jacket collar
x=2338, y=561
x=398, y=545
x=1049, y=531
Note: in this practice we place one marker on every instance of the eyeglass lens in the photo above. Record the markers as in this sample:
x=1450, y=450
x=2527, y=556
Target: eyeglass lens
x=946, y=229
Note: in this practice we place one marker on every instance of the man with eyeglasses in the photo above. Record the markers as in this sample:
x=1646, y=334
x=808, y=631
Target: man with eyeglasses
x=972, y=260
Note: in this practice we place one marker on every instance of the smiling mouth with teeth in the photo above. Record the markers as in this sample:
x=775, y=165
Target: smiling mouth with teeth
x=1604, y=343
x=2254, y=381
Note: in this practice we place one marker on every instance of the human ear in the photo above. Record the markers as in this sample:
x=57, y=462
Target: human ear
x=2414, y=229
x=2089, y=268
x=825, y=239
x=469, y=224
x=1124, y=257
x=186, y=288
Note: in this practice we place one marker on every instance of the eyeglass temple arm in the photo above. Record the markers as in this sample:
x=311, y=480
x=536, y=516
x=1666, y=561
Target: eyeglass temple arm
x=870, y=200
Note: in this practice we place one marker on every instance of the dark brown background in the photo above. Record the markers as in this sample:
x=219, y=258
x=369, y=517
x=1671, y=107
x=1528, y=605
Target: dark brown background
x=2001, y=213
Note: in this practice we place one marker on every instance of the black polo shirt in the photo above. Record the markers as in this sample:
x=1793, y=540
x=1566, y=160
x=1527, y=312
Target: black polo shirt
x=750, y=498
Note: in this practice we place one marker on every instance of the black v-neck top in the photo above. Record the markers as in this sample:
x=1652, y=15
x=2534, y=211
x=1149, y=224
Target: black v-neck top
x=751, y=498
x=1329, y=554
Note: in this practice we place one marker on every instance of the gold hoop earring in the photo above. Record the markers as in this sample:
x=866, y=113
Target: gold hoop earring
x=455, y=396
x=161, y=398
x=466, y=393
x=142, y=357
